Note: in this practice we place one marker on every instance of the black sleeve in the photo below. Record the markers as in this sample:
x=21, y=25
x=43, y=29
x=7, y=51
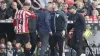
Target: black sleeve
x=9, y=13
x=83, y=21
x=65, y=20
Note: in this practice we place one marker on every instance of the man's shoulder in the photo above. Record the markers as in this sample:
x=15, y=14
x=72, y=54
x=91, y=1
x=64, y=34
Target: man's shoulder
x=78, y=14
x=60, y=11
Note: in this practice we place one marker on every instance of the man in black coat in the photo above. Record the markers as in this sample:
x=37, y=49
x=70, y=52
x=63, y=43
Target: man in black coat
x=79, y=26
x=3, y=10
x=58, y=28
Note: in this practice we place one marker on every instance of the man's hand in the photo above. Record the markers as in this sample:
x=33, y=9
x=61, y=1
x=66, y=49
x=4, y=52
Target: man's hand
x=51, y=33
x=63, y=33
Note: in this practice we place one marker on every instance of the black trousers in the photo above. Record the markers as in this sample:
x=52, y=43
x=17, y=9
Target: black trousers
x=53, y=40
x=8, y=29
x=77, y=40
x=33, y=41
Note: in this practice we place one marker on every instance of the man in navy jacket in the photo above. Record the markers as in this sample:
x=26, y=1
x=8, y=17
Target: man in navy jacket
x=44, y=27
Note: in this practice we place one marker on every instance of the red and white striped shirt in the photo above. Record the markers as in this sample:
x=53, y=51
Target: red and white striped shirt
x=21, y=21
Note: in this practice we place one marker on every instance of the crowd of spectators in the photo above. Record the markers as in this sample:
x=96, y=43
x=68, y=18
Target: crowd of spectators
x=9, y=7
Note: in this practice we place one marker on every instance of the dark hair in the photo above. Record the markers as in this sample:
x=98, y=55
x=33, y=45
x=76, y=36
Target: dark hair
x=57, y=4
x=3, y=2
x=50, y=2
x=26, y=4
x=72, y=7
x=64, y=3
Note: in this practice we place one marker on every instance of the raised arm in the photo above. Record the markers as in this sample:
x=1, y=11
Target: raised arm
x=29, y=13
x=20, y=3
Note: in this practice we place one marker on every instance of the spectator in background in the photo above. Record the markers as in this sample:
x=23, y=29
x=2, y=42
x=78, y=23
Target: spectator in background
x=80, y=6
x=19, y=51
x=87, y=5
x=10, y=49
x=9, y=2
x=10, y=16
x=12, y=9
x=94, y=6
x=0, y=2
x=60, y=2
x=69, y=2
x=3, y=10
x=2, y=50
x=2, y=40
x=65, y=7
x=99, y=17
x=14, y=43
x=94, y=15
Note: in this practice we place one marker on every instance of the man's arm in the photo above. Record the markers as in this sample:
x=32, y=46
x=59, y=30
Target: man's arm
x=48, y=21
x=40, y=6
x=65, y=20
x=20, y=3
x=15, y=17
x=29, y=13
x=83, y=21
x=37, y=3
x=65, y=23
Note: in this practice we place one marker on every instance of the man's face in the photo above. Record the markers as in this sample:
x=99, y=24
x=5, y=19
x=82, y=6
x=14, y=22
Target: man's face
x=3, y=5
x=9, y=45
x=14, y=5
x=50, y=7
x=2, y=47
x=64, y=7
x=55, y=6
x=71, y=10
x=2, y=40
x=95, y=4
x=80, y=5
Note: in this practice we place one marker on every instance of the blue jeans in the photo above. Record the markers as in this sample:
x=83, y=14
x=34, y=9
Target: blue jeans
x=44, y=36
